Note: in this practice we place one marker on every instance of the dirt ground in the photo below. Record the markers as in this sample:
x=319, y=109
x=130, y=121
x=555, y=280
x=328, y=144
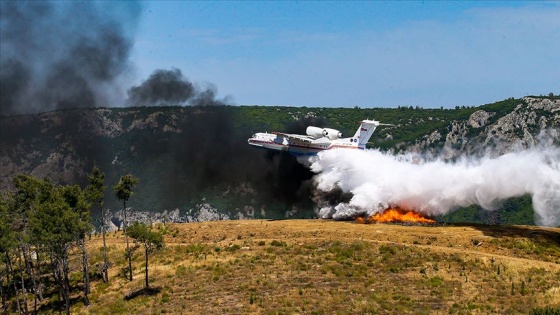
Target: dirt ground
x=333, y=267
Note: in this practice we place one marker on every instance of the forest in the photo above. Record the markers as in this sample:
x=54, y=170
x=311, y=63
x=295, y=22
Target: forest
x=42, y=227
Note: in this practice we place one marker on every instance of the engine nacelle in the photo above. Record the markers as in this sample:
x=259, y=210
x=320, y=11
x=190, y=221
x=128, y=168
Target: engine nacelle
x=317, y=132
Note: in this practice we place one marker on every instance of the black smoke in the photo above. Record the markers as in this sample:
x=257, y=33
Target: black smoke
x=210, y=156
x=299, y=126
x=211, y=152
x=283, y=177
x=170, y=87
x=62, y=55
x=58, y=55
x=163, y=87
x=206, y=153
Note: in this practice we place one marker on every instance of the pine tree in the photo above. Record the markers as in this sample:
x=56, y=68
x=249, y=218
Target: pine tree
x=151, y=240
x=75, y=197
x=56, y=227
x=30, y=193
x=123, y=191
x=7, y=247
x=95, y=191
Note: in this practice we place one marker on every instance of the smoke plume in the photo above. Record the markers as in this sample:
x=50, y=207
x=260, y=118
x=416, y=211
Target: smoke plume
x=60, y=55
x=378, y=180
x=211, y=154
x=64, y=54
x=170, y=87
x=286, y=177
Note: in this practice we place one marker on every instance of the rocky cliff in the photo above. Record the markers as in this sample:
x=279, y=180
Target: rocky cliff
x=532, y=120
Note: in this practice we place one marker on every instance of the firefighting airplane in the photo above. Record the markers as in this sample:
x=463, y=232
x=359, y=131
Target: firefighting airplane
x=316, y=140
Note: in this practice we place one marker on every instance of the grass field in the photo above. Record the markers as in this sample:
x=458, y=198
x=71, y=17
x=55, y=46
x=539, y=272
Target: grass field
x=330, y=267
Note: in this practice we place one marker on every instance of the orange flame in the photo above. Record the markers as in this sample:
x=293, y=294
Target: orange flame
x=396, y=214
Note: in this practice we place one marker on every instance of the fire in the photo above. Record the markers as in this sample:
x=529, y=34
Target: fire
x=396, y=214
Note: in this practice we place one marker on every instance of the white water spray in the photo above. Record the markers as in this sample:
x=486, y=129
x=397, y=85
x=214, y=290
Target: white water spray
x=378, y=180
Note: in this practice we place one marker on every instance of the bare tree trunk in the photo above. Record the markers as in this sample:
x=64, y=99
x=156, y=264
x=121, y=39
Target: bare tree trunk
x=105, y=263
x=147, y=285
x=23, y=290
x=32, y=273
x=128, y=253
x=55, y=267
x=66, y=284
x=38, y=275
x=11, y=271
x=85, y=271
x=3, y=292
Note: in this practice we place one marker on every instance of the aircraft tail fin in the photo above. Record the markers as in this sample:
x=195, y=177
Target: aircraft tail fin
x=364, y=132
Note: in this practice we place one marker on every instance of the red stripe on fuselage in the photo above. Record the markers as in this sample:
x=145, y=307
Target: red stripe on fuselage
x=305, y=147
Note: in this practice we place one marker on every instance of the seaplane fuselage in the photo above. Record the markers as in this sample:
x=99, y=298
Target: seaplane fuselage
x=316, y=139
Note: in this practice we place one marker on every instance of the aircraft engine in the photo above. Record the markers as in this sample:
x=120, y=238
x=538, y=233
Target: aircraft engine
x=317, y=132
x=332, y=134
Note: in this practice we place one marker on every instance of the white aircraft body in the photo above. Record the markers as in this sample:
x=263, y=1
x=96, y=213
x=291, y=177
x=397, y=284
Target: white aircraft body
x=316, y=140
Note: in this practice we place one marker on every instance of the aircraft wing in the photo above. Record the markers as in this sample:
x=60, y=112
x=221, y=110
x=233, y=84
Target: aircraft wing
x=295, y=137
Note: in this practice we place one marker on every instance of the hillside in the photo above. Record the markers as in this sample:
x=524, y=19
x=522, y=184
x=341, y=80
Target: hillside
x=194, y=163
x=330, y=267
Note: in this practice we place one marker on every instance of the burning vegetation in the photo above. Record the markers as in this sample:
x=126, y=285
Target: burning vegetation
x=395, y=215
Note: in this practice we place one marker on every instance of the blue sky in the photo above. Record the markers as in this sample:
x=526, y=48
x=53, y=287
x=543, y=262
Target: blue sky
x=367, y=54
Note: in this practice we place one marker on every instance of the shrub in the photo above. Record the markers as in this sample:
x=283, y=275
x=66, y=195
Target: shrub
x=385, y=249
x=278, y=243
x=435, y=281
x=233, y=248
x=181, y=271
x=545, y=311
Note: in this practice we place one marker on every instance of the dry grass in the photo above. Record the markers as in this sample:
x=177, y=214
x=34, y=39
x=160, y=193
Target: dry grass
x=328, y=267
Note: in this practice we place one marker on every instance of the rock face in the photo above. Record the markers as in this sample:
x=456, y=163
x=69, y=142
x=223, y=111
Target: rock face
x=479, y=119
x=532, y=120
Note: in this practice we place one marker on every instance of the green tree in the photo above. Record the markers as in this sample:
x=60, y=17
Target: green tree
x=30, y=193
x=56, y=227
x=123, y=191
x=95, y=192
x=75, y=197
x=8, y=245
x=151, y=240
